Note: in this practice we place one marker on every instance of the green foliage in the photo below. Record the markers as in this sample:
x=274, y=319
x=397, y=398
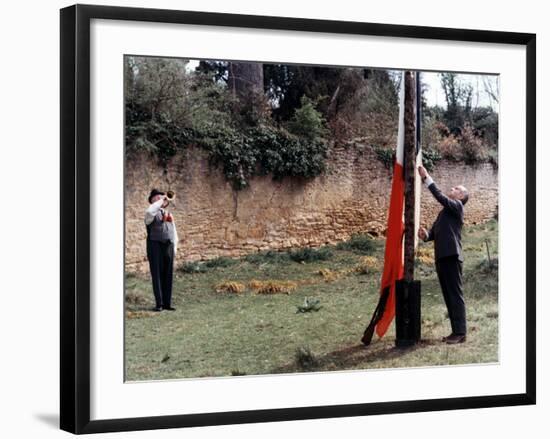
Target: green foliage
x=203, y=267
x=359, y=243
x=210, y=105
x=385, y=155
x=269, y=257
x=485, y=124
x=168, y=108
x=155, y=121
x=459, y=101
x=192, y=267
x=260, y=150
x=287, y=84
x=222, y=261
x=156, y=135
x=282, y=154
x=238, y=328
x=282, y=130
x=430, y=157
x=307, y=121
x=308, y=254
x=474, y=129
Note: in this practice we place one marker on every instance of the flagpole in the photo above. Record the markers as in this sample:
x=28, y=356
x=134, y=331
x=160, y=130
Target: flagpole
x=410, y=173
x=407, y=290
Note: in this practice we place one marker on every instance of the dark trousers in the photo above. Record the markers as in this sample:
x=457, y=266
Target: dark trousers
x=449, y=272
x=161, y=265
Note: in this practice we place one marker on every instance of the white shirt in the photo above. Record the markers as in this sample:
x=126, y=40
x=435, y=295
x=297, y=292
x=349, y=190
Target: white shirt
x=428, y=181
x=152, y=212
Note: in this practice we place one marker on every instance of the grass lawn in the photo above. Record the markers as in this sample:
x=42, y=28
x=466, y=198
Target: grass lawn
x=221, y=333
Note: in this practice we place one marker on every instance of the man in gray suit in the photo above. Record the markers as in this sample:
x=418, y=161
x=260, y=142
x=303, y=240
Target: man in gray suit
x=162, y=241
x=446, y=234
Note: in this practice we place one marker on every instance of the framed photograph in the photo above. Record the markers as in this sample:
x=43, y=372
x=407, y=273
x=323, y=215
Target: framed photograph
x=276, y=218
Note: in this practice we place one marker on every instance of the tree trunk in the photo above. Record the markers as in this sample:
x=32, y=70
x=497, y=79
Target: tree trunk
x=245, y=78
x=410, y=173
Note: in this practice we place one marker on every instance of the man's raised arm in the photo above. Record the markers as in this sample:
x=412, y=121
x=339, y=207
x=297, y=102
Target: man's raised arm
x=454, y=206
x=152, y=211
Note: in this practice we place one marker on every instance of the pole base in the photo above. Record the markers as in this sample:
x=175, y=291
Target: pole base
x=407, y=313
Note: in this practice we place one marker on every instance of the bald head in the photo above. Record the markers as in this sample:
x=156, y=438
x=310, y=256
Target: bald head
x=459, y=193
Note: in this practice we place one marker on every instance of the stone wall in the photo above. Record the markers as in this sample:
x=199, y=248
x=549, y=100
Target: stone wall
x=352, y=197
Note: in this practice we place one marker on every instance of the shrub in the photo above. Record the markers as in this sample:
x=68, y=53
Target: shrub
x=473, y=148
x=192, y=267
x=308, y=254
x=466, y=146
x=269, y=256
x=358, y=243
x=309, y=305
x=307, y=122
x=260, y=150
x=168, y=109
x=284, y=154
x=429, y=158
x=386, y=156
x=222, y=261
x=448, y=147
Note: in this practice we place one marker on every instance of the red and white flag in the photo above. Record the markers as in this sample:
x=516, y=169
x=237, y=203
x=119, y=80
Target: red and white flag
x=393, y=256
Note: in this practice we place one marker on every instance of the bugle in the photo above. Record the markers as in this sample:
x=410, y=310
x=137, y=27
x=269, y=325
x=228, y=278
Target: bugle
x=170, y=195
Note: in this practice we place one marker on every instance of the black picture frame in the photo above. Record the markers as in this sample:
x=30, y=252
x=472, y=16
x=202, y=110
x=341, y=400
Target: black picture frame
x=75, y=217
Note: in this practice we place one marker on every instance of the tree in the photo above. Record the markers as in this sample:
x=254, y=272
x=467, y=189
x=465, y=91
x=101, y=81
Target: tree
x=246, y=83
x=459, y=102
x=217, y=70
x=245, y=77
x=155, y=96
x=491, y=86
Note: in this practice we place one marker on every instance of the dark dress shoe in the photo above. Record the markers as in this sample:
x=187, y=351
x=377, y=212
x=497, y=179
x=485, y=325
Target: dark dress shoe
x=157, y=309
x=455, y=339
x=169, y=308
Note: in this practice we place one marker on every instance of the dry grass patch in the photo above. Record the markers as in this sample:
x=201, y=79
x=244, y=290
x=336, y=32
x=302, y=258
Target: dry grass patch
x=139, y=314
x=329, y=275
x=134, y=298
x=272, y=286
x=367, y=265
x=230, y=287
x=425, y=255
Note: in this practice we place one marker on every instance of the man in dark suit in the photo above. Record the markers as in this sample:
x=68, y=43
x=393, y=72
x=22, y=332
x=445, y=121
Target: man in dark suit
x=446, y=234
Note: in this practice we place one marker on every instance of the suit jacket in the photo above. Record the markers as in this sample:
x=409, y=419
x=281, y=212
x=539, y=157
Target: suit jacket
x=446, y=231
